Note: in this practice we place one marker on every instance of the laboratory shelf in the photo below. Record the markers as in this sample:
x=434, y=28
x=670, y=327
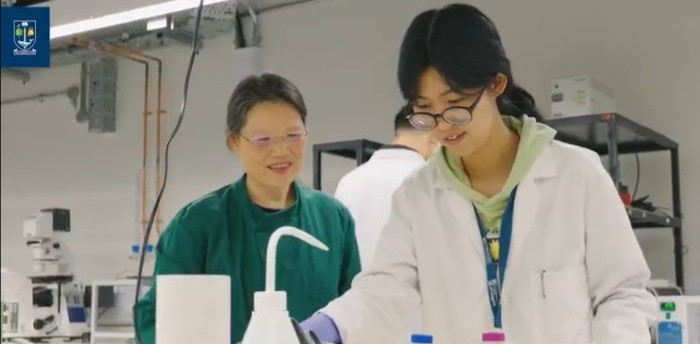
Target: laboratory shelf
x=596, y=131
x=641, y=218
x=359, y=150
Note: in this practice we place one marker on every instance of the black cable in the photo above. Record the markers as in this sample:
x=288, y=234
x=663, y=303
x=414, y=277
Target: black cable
x=636, y=182
x=151, y=219
x=240, y=37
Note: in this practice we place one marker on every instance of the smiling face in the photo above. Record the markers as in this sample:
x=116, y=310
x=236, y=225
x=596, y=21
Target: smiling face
x=478, y=106
x=271, y=144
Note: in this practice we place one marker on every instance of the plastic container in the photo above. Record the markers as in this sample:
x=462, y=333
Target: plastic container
x=419, y=338
x=493, y=337
x=270, y=322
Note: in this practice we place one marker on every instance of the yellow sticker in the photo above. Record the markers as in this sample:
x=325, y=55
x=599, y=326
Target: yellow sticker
x=495, y=248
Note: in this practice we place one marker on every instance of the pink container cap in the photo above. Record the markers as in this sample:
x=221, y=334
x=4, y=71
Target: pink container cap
x=493, y=337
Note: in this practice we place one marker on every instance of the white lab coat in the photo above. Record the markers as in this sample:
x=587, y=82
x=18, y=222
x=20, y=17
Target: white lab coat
x=575, y=273
x=366, y=191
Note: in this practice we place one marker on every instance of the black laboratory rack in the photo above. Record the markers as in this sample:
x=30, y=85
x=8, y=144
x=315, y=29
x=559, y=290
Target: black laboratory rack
x=359, y=150
x=611, y=135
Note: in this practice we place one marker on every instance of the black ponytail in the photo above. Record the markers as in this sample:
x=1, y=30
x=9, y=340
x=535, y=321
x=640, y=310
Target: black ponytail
x=463, y=45
x=516, y=101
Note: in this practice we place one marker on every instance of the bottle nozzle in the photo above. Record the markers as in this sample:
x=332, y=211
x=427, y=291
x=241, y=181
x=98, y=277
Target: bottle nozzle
x=272, y=250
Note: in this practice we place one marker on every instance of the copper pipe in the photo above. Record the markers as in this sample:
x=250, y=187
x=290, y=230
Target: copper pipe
x=144, y=163
x=159, y=122
x=110, y=49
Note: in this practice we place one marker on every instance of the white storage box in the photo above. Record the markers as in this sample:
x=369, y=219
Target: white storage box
x=580, y=95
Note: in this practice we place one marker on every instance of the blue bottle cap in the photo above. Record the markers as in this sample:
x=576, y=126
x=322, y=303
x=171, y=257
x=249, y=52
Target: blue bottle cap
x=134, y=248
x=422, y=338
x=149, y=248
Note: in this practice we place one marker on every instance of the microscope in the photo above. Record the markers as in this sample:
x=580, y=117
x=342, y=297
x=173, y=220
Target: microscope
x=47, y=304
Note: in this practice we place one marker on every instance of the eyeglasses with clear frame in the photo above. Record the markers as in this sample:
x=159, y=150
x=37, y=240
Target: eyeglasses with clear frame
x=264, y=143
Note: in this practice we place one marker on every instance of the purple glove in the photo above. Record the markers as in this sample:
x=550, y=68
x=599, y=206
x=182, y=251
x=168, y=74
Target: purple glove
x=324, y=328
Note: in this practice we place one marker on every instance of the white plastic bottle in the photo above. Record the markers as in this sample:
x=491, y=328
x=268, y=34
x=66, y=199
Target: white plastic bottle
x=418, y=338
x=270, y=322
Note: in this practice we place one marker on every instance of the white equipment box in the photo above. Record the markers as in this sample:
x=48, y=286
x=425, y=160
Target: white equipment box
x=684, y=310
x=580, y=95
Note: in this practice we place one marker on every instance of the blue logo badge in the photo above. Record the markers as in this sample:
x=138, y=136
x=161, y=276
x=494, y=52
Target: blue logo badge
x=25, y=37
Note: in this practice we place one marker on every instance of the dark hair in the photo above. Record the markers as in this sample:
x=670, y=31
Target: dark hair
x=257, y=89
x=463, y=45
x=401, y=121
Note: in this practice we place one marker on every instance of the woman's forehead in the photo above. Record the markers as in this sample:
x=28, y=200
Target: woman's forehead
x=273, y=116
x=273, y=128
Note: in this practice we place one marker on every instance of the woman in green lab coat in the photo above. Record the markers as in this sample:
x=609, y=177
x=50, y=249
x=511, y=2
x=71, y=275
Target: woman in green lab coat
x=226, y=232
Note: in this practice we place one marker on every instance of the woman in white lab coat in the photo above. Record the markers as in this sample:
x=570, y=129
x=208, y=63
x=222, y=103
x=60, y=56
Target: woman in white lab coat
x=506, y=227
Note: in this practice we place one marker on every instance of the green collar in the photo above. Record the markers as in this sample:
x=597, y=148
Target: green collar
x=249, y=207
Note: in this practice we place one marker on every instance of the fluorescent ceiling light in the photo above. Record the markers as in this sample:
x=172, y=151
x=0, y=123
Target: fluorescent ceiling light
x=156, y=24
x=124, y=17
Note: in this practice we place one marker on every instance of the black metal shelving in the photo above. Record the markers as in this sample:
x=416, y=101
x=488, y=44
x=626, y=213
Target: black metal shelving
x=612, y=134
x=359, y=150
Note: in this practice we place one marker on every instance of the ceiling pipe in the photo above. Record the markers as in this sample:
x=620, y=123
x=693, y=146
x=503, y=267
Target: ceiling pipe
x=71, y=92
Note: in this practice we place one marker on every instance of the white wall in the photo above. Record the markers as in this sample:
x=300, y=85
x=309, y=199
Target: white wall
x=345, y=64
x=49, y=160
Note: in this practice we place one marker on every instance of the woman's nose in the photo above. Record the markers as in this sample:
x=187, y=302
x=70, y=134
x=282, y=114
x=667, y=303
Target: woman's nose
x=280, y=146
x=442, y=125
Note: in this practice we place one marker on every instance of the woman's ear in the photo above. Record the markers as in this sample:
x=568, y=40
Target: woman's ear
x=233, y=142
x=500, y=83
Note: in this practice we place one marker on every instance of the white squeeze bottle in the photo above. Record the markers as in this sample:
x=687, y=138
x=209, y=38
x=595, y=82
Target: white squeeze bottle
x=270, y=322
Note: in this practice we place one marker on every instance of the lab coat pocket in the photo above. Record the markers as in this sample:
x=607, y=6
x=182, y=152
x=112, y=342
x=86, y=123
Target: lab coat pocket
x=566, y=305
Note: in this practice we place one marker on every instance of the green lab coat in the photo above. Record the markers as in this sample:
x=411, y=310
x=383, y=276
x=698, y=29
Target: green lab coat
x=226, y=233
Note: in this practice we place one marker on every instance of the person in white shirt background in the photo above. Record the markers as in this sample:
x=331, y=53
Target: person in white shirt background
x=366, y=190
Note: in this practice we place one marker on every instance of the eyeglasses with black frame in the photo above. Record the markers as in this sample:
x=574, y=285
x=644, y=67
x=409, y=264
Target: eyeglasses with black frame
x=455, y=115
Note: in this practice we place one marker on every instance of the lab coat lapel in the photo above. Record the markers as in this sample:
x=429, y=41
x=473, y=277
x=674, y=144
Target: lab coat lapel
x=527, y=202
x=525, y=212
x=460, y=213
x=466, y=220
